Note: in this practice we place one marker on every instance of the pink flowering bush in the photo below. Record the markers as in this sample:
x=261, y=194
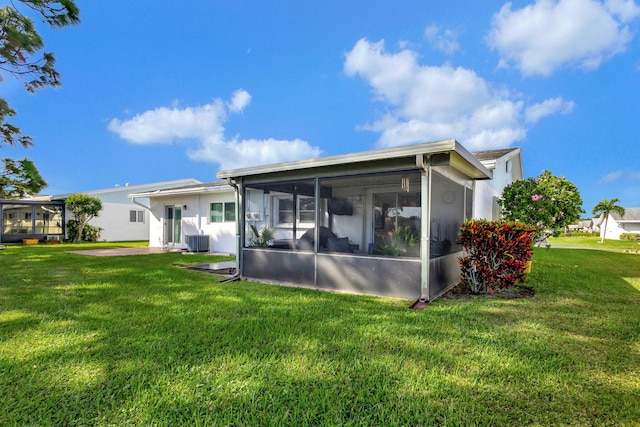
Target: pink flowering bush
x=547, y=202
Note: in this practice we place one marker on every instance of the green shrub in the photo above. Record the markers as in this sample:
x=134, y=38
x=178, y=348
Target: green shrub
x=89, y=232
x=548, y=202
x=497, y=253
x=630, y=236
x=580, y=233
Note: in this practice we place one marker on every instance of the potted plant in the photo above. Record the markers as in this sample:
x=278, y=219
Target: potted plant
x=405, y=241
x=261, y=238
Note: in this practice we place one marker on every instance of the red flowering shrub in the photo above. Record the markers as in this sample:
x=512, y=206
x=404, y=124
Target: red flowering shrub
x=496, y=253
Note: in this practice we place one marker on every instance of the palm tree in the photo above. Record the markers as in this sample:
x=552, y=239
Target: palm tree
x=606, y=207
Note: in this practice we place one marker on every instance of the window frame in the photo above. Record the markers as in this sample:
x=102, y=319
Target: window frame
x=227, y=212
x=300, y=201
x=136, y=216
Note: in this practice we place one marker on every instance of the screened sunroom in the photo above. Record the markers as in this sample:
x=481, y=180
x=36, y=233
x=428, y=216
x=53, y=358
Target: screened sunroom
x=24, y=219
x=380, y=222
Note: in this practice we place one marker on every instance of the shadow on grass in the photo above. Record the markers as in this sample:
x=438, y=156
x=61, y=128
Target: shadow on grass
x=139, y=341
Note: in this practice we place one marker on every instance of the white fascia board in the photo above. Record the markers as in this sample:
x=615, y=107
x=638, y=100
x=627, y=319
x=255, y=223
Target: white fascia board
x=444, y=146
x=183, y=191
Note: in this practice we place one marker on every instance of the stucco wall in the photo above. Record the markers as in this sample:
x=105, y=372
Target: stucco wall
x=487, y=192
x=115, y=224
x=615, y=229
x=195, y=220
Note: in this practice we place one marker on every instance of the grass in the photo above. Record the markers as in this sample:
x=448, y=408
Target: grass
x=138, y=340
x=593, y=242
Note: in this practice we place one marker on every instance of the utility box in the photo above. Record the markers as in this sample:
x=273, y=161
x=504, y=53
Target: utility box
x=197, y=243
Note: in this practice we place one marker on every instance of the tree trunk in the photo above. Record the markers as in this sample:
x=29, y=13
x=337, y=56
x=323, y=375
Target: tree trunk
x=604, y=234
x=78, y=237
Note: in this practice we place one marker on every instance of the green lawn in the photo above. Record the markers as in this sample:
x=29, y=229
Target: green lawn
x=138, y=340
x=594, y=243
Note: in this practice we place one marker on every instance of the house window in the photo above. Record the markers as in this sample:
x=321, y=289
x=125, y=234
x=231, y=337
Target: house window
x=136, y=216
x=305, y=212
x=222, y=212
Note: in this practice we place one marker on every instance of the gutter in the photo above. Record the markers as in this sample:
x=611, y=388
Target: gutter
x=236, y=275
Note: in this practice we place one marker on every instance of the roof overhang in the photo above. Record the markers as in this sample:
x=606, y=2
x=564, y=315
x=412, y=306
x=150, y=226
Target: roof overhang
x=183, y=191
x=491, y=164
x=449, y=153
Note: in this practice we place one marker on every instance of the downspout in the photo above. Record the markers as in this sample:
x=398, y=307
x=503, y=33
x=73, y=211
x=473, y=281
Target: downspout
x=316, y=236
x=424, y=163
x=198, y=215
x=135, y=202
x=236, y=275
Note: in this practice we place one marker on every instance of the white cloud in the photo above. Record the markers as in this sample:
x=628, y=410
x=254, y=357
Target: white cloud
x=164, y=125
x=427, y=103
x=550, y=34
x=239, y=100
x=611, y=177
x=548, y=107
x=444, y=40
x=626, y=10
x=626, y=176
x=205, y=125
x=251, y=152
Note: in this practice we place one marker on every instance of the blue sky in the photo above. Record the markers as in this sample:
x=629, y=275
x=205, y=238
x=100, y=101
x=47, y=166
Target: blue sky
x=162, y=90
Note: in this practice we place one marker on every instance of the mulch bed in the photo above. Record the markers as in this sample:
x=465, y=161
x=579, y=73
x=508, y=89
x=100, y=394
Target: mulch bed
x=463, y=292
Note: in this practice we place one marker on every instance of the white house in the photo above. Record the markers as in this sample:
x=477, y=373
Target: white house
x=629, y=223
x=120, y=218
x=506, y=167
x=199, y=217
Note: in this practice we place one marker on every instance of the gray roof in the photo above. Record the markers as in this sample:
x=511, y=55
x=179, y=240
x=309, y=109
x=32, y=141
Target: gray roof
x=127, y=188
x=630, y=214
x=488, y=155
x=199, y=185
x=203, y=187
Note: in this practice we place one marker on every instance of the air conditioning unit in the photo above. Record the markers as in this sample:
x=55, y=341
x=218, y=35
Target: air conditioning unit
x=197, y=243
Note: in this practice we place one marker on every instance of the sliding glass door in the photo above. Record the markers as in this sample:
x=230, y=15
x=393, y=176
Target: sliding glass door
x=173, y=225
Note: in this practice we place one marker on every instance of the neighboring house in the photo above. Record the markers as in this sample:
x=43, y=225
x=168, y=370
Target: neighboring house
x=587, y=225
x=617, y=225
x=120, y=218
x=379, y=222
x=199, y=217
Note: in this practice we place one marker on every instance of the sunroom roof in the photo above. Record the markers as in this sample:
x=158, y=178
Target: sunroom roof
x=460, y=159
